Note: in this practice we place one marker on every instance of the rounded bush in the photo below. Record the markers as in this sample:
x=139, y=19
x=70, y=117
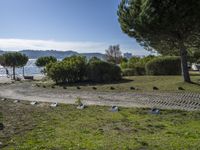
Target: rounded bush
x=72, y=69
x=168, y=65
x=100, y=71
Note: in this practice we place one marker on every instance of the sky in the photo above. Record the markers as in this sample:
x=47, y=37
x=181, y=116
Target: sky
x=80, y=25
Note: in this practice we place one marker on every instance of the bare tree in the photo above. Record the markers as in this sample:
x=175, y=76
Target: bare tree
x=113, y=54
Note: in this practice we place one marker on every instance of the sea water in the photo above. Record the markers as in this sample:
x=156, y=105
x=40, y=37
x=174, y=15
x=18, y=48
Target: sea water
x=29, y=69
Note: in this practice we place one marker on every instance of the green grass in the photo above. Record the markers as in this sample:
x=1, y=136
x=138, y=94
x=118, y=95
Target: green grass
x=65, y=127
x=142, y=83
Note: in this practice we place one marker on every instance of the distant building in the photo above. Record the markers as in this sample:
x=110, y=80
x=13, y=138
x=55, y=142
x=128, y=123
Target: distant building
x=128, y=55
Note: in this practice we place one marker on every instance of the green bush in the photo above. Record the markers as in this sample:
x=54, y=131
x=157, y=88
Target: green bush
x=135, y=71
x=133, y=61
x=100, y=71
x=168, y=65
x=198, y=61
x=71, y=69
x=135, y=65
x=76, y=69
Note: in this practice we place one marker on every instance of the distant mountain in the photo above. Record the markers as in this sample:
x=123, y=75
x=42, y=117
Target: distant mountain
x=90, y=55
x=34, y=54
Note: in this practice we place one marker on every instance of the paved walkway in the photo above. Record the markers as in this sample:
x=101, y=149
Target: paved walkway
x=25, y=91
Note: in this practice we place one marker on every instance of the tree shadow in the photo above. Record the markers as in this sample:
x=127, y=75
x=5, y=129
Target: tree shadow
x=195, y=83
x=90, y=83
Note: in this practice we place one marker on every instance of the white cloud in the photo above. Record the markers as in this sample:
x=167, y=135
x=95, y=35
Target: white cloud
x=20, y=44
x=81, y=47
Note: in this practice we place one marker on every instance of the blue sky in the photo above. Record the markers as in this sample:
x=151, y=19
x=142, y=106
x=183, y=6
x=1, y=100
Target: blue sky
x=81, y=25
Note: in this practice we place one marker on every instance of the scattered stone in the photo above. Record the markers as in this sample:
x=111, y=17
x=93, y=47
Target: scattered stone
x=180, y=88
x=132, y=88
x=155, y=88
x=155, y=111
x=3, y=99
x=1, y=144
x=33, y=103
x=37, y=85
x=114, y=109
x=16, y=101
x=55, y=104
x=1, y=126
x=78, y=88
x=112, y=88
x=94, y=88
x=81, y=106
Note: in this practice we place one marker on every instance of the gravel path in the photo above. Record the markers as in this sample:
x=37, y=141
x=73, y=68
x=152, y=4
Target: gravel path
x=175, y=100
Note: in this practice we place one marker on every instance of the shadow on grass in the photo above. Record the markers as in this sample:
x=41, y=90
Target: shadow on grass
x=89, y=83
x=195, y=83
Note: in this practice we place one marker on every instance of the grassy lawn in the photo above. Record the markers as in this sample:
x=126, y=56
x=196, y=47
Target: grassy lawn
x=141, y=83
x=41, y=127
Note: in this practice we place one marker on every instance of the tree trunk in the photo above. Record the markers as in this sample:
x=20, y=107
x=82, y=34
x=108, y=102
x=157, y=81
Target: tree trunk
x=14, y=72
x=23, y=71
x=184, y=65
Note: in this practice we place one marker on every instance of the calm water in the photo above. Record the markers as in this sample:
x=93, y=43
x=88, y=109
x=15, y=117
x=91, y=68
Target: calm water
x=29, y=69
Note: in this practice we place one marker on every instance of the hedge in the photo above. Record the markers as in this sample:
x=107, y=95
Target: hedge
x=168, y=65
x=134, y=71
x=100, y=71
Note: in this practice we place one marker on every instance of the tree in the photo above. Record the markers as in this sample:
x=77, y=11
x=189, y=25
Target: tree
x=113, y=54
x=163, y=25
x=43, y=61
x=94, y=59
x=13, y=59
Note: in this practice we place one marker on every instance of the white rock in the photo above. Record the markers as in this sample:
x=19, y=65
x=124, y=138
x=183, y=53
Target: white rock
x=114, y=109
x=33, y=103
x=155, y=111
x=16, y=101
x=82, y=106
x=3, y=99
x=54, y=104
x=1, y=144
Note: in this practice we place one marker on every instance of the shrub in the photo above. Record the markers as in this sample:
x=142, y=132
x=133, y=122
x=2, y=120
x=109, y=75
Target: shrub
x=168, y=65
x=198, y=61
x=75, y=69
x=135, y=71
x=69, y=70
x=133, y=61
x=100, y=71
x=135, y=65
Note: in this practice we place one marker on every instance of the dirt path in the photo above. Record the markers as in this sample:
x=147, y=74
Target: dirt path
x=25, y=91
